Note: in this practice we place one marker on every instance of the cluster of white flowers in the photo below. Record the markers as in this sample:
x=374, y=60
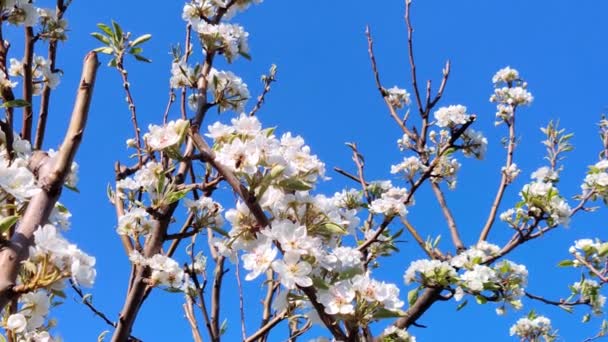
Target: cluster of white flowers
x=20, y=12
x=592, y=251
x=512, y=278
x=200, y=10
x=229, y=91
x=596, y=180
x=183, y=75
x=508, y=97
x=430, y=273
x=208, y=212
x=66, y=257
x=533, y=328
x=53, y=28
x=542, y=201
x=479, y=278
x=410, y=166
x=135, y=222
x=452, y=116
x=474, y=143
x=475, y=255
x=394, y=334
x=511, y=172
x=397, y=97
x=230, y=39
x=338, y=299
x=391, y=202
x=446, y=169
x=589, y=290
x=245, y=148
x=41, y=73
x=170, y=135
x=28, y=322
x=505, y=75
x=165, y=270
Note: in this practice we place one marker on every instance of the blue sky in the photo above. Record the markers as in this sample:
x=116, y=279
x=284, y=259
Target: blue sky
x=326, y=93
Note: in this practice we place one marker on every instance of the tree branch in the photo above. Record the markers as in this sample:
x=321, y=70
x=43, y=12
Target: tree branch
x=51, y=174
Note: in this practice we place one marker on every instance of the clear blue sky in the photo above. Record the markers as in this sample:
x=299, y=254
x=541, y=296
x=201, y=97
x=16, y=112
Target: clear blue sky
x=326, y=93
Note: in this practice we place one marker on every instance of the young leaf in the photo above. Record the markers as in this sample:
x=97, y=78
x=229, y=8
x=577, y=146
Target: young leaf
x=140, y=40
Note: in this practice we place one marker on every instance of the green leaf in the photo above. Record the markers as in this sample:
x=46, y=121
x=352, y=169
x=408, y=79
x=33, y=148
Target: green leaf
x=105, y=50
x=565, y=263
x=7, y=222
x=586, y=318
x=15, y=104
x=462, y=305
x=108, y=31
x=603, y=250
x=333, y=228
x=140, y=40
x=136, y=50
x=294, y=184
x=245, y=55
x=481, y=299
x=175, y=196
x=72, y=188
x=101, y=37
x=142, y=58
x=384, y=313
x=118, y=30
x=102, y=336
x=319, y=283
x=412, y=296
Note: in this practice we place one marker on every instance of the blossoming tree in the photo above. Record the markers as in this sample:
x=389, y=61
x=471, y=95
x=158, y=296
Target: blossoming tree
x=317, y=255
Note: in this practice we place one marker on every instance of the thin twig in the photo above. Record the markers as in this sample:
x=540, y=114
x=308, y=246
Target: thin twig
x=267, y=79
x=448, y=217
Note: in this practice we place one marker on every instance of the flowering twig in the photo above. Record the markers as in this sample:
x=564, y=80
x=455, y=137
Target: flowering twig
x=400, y=122
x=267, y=79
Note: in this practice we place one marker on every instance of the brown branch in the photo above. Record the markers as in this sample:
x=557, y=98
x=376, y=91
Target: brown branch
x=51, y=174
x=46, y=91
x=218, y=275
x=263, y=331
x=448, y=217
x=423, y=303
x=561, y=302
x=237, y=274
x=89, y=304
x=410, y=47
x=504, y=182
x=127, y=87
x=188, y=310
x=28, y=55
x=383, y=93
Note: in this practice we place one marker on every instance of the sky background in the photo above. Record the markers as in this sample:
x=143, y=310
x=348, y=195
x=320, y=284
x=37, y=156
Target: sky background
x=326, y=93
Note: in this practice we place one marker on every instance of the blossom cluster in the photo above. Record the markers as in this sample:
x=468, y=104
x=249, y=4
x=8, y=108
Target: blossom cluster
x=165, y=271
x=509, y=93
x=596, y=181
x=229, y=39
x=28, y=322
x=532, y=328
x=540, y=201
x=468, y=272
x=41, y=73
